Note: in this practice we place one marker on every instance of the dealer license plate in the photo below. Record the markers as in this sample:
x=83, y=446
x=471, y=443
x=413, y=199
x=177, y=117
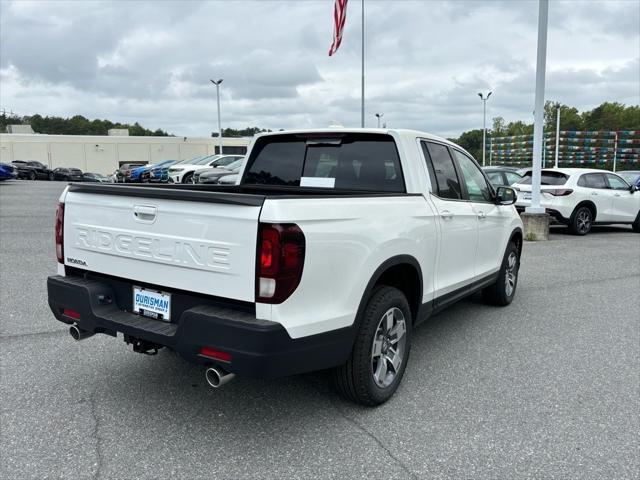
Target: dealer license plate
x=151, y=303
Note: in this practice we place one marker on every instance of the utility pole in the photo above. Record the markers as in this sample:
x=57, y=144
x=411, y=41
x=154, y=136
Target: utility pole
x=379, y=116
x=484, y=124
x=217, y=84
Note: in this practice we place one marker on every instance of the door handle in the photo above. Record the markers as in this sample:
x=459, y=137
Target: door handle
x=145, y=213
x=481, y=215
x=446, y=214
x=616, y=195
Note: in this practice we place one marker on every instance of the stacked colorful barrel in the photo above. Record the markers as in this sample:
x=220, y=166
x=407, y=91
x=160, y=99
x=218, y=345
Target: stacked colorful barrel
x=602, y=149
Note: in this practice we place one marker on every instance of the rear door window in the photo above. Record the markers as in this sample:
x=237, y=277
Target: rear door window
x=341, y=161
x=593, y=180
x=444, y=178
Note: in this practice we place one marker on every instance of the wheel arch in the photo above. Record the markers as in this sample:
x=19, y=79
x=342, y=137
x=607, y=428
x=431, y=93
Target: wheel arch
x=517, y=238
x=585, y=203
x=402, y=272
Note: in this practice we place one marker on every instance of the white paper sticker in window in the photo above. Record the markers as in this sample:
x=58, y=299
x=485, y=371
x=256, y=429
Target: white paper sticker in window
x=323, y=182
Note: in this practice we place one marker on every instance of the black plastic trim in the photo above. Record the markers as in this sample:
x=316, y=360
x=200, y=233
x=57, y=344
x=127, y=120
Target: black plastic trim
x=258, y=348
x=189, y=193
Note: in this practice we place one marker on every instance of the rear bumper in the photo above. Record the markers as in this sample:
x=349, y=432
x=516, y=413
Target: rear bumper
x=258, y=348
x=555, y=214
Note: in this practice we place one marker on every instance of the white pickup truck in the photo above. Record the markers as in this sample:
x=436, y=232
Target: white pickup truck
x=331, y=248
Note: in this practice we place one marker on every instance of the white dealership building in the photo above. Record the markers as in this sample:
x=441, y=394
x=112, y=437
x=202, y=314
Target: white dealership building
x=104, y=154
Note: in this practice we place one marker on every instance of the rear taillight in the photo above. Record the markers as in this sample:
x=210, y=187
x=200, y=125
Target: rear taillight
x=280, y=259
x=560, y=193
x=60, y=232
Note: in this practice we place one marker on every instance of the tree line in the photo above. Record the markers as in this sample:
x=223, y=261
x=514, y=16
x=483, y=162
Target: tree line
x=76, y=125
x=608, y=116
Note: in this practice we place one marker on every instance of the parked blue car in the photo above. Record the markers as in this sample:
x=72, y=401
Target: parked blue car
x=160, y=171
x=7, y=172
x=137, y=174
x=631, y=176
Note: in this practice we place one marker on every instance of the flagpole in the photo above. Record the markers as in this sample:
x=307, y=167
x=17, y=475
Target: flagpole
x=362, y=99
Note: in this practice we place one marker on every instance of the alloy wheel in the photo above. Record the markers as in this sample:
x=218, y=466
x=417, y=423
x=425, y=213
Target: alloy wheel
x=389, y=347
x=511, y=274
x=584, y=220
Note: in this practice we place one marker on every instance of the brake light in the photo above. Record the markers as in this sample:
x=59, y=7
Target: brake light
x=59, y=232
x=280, y=259
x=560, y=193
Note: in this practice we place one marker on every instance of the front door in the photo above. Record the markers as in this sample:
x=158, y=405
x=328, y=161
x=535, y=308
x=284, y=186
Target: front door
x=492, y=218
x=625, y=203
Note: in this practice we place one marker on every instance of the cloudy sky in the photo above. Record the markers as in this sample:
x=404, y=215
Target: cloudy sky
x=426, y=60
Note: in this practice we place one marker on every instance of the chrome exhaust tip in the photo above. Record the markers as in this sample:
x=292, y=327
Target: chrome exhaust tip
x=216, y=377
x=78, y=334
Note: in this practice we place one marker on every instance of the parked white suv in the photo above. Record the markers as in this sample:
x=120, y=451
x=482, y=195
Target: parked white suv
x=333, y=246
x=582, y=197
x=183, y=172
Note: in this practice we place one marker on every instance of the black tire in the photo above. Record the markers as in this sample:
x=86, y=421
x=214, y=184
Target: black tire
x=187, y=177
x=51, y=177
x=636, y=224
x=32, y=175
x=355, y=379
x=502, y=292
x=581, y=221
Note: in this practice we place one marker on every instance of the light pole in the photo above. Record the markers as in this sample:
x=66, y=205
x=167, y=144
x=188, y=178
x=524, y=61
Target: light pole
x=217, y=84
x=484, y=124
x=557, y=133
x=379, y=116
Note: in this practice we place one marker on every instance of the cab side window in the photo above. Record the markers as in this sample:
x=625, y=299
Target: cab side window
x=477, y=187
x=444, y=178
x=616, y=183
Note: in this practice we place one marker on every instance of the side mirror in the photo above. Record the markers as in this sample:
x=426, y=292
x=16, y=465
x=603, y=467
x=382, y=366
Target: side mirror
x=633, y=188
x=506, y=196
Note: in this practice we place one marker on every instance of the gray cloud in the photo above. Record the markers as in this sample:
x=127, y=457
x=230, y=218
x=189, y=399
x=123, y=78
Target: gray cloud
x=426, y=60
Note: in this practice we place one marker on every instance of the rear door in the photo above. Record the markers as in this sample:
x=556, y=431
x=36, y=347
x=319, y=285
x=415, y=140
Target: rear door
x=457, y=220
x=202, y=242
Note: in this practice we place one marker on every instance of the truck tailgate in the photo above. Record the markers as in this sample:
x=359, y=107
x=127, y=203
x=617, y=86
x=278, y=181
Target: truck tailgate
x=197, y=241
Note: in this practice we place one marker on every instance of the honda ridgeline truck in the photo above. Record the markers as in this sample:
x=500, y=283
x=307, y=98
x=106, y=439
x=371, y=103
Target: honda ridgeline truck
x=331, y=248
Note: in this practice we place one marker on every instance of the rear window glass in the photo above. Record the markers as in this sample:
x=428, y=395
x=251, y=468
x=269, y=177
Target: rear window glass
x=341, y=161
x=547, y=178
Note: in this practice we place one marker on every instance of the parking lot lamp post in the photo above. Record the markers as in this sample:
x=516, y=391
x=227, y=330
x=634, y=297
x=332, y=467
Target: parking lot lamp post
x=217, y=84
x=484, y=124
x=379, y=116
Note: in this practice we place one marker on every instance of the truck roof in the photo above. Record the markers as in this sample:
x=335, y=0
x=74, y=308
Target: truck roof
x=401, y=132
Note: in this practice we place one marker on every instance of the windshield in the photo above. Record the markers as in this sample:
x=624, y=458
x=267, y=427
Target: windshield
x=203, y=160
x=234, y=166
x=549, y=177
x=630, y=176
x=223, y=162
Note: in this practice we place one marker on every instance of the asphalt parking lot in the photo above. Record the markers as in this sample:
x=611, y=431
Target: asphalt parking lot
x=546, y=388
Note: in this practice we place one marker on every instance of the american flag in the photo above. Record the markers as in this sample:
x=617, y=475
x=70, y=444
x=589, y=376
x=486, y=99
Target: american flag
x=339, y=17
